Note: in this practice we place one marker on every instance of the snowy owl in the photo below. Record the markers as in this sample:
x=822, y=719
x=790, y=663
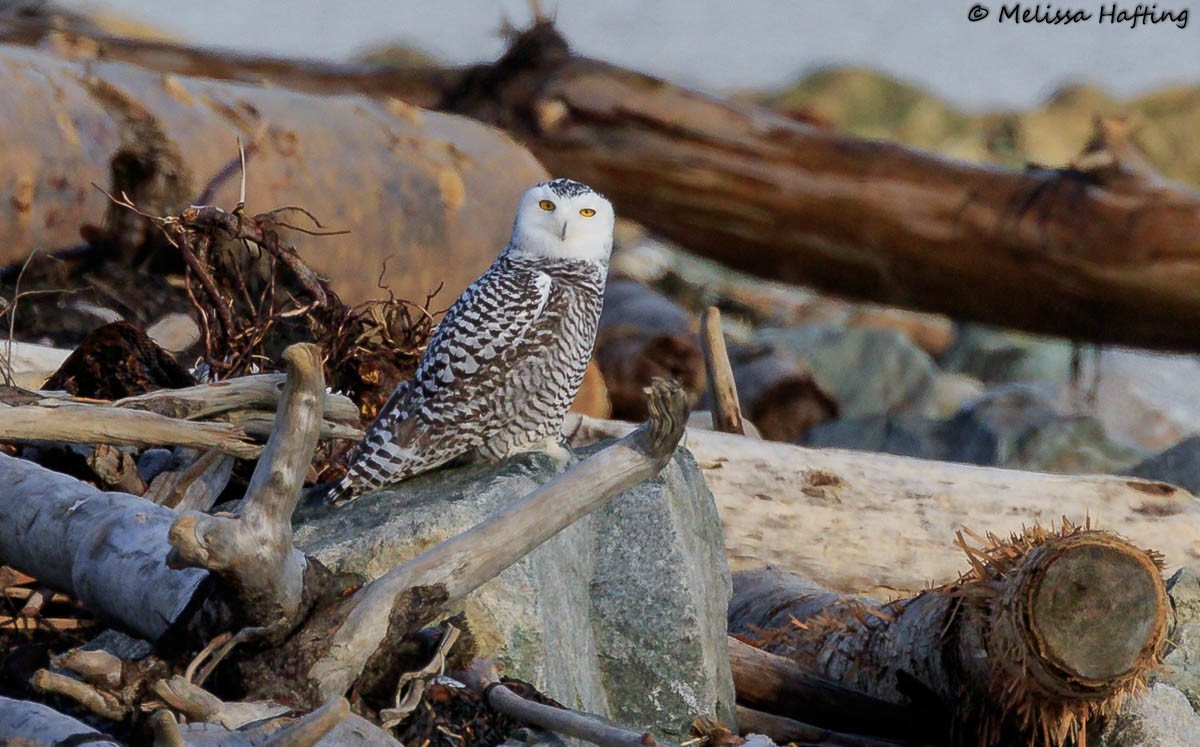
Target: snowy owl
x=506, y=362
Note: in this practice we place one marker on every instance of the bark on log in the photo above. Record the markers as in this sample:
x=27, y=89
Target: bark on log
x=109, y=548
x=879, y=524
x=444, y=186
x=776, y=685
x=1103, y=251
x=25, y=724
x=1047, y=631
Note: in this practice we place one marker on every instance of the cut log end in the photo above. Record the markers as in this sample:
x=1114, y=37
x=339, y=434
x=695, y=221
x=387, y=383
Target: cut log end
x=1098, y=610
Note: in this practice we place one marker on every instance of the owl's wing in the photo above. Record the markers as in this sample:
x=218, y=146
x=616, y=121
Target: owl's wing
x=439, y=413
x=482, y=336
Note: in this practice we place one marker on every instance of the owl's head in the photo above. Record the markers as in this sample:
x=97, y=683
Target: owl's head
x=563, y=219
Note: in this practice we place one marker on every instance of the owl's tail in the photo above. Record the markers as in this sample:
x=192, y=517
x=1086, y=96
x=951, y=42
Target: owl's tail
x=332, y=493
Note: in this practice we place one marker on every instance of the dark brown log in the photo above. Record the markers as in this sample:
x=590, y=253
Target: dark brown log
x=784, y=730
x=1103, y=251
x=781, y=397
x=1047, y=632
x=642, y=336
x=776, y=685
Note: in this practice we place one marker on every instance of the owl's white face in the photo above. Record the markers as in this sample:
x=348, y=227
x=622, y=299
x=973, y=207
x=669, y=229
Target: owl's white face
x=563, y=219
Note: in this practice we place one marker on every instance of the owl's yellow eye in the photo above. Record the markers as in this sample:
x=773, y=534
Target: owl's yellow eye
x=546, y=205
x=587, y=212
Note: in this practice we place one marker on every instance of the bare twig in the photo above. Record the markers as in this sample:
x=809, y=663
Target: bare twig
x=727, y=412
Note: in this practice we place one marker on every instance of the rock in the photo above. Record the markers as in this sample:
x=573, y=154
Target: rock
x=869, y=371
x=1181, y=669
x=933, y=333
x=1159, y=718
x=1011, y=426
x=901, y=434
x=622, y=614
x=175, y=333
x=1001, y=356
x=1178, y=465
x=1072, y=445
x=948, y=393
x=987, y=429
x=1151, y=399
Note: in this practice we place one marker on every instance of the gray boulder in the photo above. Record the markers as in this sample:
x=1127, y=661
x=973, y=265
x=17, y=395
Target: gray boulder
x=621, y=615
x=869, y=371
x=1161, y=717
x=1181, y=668
x=1178, y=465
x=997, y=356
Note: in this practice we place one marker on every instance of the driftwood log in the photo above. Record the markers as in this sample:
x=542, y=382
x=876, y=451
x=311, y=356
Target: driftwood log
x=1047, y=631
x=225, y=416
x=643, y=335
x=879, y=524
x=427, y=185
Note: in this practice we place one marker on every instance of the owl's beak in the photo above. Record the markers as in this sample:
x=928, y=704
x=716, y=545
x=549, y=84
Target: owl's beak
x=563, y=235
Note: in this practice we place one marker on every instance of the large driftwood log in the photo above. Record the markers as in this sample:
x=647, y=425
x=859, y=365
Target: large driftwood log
x=1046, y=632
x=1104, y=250
x=105, y=549
x=878, y=524
x=427, y=185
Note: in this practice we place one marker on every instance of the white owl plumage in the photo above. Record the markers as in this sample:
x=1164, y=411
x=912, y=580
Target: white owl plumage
x=507, y=360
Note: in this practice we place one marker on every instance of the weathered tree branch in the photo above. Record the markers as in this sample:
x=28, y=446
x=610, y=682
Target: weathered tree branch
x=253, y=552
x=783, y=730
x=722, y=391
x=97, y=424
